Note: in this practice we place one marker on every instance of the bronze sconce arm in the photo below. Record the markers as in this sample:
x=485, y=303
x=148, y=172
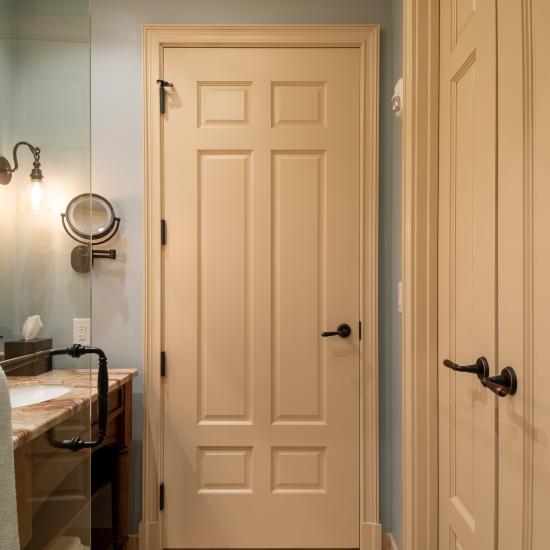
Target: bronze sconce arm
x=6, y=170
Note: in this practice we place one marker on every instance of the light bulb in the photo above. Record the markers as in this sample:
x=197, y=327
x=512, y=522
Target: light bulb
x=35, y=194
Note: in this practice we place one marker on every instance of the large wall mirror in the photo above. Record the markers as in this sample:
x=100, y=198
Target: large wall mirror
x=45, y=108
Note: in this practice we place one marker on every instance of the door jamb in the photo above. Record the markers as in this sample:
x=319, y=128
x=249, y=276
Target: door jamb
x=366, y=39
x=419, y=261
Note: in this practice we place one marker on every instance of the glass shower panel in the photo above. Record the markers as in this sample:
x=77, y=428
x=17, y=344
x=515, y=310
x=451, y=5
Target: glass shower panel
x=45, y=121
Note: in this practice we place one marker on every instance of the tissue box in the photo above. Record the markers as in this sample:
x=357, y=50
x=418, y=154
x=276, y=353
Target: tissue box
x=18, y=348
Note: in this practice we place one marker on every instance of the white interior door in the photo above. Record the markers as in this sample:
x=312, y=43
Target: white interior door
x=467, y=273
x=261, y=199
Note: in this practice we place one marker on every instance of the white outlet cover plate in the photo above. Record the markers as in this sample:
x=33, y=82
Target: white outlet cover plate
x=82, y=331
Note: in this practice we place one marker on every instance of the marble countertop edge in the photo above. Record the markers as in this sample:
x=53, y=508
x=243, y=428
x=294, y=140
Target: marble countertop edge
x=30, y=421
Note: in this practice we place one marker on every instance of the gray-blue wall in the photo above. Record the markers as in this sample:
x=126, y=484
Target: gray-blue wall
x=391, y=499
x=117, y=172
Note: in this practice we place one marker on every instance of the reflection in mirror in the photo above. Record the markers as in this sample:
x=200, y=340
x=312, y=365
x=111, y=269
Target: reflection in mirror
x=44, y=100
x=90, y=216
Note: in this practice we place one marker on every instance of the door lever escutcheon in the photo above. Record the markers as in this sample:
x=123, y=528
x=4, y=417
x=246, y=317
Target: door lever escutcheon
x=343, y=330
x=503, y=384
x=480, y=367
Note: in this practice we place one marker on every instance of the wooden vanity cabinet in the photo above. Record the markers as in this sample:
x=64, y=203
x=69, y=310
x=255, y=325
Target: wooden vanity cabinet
x=54, y=488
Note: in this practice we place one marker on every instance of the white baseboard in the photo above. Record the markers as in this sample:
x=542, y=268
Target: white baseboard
x=388, y=542
x=371, y=536
x=149, y=535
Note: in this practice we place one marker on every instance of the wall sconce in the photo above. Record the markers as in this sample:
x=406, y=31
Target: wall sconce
x=34, y=191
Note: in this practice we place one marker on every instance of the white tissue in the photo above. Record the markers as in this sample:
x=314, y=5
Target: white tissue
x=31, y=327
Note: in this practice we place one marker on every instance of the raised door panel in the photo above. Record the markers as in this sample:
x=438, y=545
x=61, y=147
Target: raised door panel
x=298, y=287
x=298, y=103
x=224, y=339
x=462, y=13
x=223, y=103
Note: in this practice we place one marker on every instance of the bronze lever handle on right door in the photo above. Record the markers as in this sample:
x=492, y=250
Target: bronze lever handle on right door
x=480, y=367
x=503, y=384
x=343, y=330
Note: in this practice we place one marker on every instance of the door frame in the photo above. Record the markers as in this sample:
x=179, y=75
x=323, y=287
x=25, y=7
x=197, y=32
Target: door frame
x=366, y=38
x=419, y=272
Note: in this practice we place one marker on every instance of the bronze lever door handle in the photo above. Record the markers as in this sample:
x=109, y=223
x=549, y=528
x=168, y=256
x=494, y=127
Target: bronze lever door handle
x=480, y=367
x=503, y=384
x=343, y=330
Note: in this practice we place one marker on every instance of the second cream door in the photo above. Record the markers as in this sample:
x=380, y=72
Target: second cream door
x=467, y=274
x=261, y=198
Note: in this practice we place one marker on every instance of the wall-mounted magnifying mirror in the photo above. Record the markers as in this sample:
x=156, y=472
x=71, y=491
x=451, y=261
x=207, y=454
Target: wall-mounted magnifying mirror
x=90, y=216
x=90, y=220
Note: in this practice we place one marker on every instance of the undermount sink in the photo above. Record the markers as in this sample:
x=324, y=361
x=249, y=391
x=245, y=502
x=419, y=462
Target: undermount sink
x=36, y=393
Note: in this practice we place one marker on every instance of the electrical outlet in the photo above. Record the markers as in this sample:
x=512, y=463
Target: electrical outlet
x=82, y=332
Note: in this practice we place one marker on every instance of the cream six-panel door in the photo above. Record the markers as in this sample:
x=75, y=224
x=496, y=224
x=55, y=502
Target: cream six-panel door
x=262, y=200
x=467, y=273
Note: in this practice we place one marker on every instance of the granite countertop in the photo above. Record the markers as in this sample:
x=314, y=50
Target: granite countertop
x=33, y=420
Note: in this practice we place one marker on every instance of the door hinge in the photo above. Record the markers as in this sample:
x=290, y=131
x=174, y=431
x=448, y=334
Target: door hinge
x=360, y=330
x=162, y=232
x=161, y=497
x=163, y=363
x=162, y=94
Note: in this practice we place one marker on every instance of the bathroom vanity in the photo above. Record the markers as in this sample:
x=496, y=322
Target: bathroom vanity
x=54, y=488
